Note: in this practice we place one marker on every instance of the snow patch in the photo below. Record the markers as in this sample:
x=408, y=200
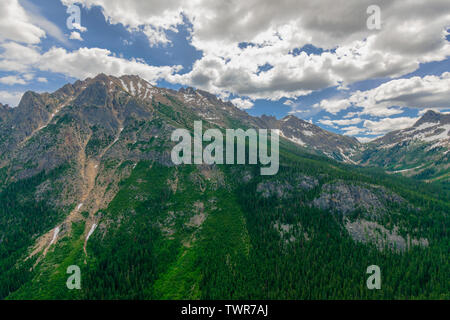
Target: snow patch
x=124, y=85
x=345, y=157
x=406, y=170
x=132, y=89
x=91, y=231
x=55, y=235
x=297, y=141
x=439, y=136
x=426, y=125
x=139, y=85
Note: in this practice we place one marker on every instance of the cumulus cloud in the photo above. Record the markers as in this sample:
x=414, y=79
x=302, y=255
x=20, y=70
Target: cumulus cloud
x=333, y=106
x=75, y=36
x=81, y=63
x=242, y=103
x=371, y=129
x=385, y=100
x=88, y=62
x=239, y=37
x=415, y=92
x=386, y=125
x=17, y=57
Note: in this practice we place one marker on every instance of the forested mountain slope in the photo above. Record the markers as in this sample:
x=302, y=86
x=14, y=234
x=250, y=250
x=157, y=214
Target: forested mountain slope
x=421, y=151
x=87, y=180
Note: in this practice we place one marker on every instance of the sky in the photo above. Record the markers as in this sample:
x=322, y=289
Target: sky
x=356, y=67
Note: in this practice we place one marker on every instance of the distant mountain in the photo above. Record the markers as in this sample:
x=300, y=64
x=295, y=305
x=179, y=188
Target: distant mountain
x=421, y=151
x=86, y=179
x=95, y=102
x=314, y=138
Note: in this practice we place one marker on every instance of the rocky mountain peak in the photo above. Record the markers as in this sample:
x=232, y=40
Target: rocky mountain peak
x=188, y=90
x=433, y=117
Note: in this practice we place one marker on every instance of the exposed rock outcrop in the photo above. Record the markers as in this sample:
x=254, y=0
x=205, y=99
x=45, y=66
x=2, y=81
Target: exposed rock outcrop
x=371, y=232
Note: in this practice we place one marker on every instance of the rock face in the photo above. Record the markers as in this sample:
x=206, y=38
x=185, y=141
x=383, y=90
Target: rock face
x=345, y=198
x=371, y=232
x=421, y=150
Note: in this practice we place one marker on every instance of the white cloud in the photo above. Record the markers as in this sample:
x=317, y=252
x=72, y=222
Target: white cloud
x=351, y=115
x=242, y=103
x=17, y=57
x=370, y=128
x=333, y=106
x=80, y=64
x=88, y=62
x=134, y=14
x=353, y=130
x=79, y=27
x=386, y=125
x=75, y=36
x=415, y=92
x=156, y=36
x=344, y=122
x=365, y=139
x=11, y=98
x=16, y=24
x=384, y=100
x=11, y=80
x=28, y=76
x=413, y=32
x=42, y=80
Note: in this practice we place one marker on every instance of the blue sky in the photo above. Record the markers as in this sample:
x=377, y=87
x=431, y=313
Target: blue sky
x=275, y=64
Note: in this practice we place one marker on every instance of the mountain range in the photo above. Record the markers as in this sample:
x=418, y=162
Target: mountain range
x=421, y=151
x=87, y=180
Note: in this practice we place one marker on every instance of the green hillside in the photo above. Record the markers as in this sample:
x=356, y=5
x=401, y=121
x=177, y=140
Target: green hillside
x=225, y=232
